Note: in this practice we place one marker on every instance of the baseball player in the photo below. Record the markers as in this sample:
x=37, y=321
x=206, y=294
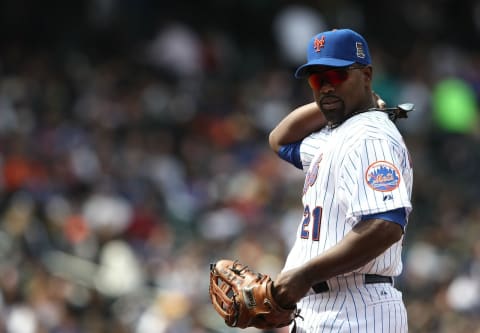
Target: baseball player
x=356, y=196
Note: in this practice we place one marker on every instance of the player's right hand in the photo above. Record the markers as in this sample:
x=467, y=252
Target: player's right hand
x=378, y=100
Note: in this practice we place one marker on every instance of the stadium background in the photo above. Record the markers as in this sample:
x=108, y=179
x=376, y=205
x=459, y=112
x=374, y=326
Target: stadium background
x=133, y=152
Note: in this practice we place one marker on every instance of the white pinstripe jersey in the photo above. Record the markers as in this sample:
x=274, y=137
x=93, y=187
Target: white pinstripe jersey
x=359, y=168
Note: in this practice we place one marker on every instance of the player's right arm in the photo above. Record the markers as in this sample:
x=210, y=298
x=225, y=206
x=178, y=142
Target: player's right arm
x=297, y=125
x=301, y=122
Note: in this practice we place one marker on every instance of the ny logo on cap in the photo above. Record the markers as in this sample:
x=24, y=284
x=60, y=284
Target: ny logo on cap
x=318, y=44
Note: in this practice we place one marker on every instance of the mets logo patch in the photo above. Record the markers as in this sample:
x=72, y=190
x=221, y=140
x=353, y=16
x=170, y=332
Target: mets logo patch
x=382, y=176
x=318, y=44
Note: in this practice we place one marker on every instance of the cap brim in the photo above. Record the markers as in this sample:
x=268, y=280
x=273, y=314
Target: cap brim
x=302, y=71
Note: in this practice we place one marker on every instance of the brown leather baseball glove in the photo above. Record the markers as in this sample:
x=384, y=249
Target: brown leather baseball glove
x=244, y=297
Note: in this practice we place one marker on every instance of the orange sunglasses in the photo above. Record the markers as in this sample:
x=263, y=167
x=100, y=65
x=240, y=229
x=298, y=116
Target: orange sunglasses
x=333, y=76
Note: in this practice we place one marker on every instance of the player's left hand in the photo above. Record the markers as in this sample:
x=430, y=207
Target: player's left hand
x=290, y=286
x=243, y=297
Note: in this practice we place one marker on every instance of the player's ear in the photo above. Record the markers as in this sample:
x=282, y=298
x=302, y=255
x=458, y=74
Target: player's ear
x=368, y=73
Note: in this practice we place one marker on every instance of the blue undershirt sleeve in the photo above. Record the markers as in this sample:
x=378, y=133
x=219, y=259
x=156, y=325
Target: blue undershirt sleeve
x=291, y=154
x=396, y=216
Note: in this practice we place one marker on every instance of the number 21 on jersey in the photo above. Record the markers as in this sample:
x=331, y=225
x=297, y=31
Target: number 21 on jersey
x=311, y=223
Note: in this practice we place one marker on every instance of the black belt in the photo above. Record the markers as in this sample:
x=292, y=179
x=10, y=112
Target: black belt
x=322, y=287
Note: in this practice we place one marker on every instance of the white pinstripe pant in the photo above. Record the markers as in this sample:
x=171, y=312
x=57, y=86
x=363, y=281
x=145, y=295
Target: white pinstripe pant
x=354, y=307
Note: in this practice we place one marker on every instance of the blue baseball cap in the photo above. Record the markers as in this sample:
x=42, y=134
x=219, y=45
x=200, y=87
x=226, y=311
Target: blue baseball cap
x=335, y=48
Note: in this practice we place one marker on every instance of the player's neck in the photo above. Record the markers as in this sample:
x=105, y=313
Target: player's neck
x=366, y=108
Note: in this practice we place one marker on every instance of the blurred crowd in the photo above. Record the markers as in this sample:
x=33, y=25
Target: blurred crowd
x=125, y=171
